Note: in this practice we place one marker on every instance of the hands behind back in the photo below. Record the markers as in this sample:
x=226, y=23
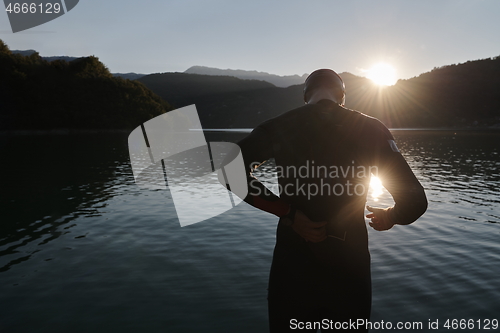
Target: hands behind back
x=311, y=231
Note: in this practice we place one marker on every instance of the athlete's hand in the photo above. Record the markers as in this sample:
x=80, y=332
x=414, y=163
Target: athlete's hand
x=311, y=231
x=380, y=218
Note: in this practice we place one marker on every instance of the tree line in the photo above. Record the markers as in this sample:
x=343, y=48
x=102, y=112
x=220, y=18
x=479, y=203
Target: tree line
x=80, y=94
x=459, y=96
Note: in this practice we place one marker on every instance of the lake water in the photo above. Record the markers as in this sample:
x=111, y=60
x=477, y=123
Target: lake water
x=83, y=249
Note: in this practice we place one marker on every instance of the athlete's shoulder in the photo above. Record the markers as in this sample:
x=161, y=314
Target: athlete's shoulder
x=369, y=132
x=372, y=126
x=287, y=119
x=298, y=112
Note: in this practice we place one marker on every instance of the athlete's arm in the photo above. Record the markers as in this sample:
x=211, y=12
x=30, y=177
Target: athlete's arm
x=398, y=178
x=256, y=149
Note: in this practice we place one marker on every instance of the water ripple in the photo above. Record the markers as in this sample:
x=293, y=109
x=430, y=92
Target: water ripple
x=89, y=246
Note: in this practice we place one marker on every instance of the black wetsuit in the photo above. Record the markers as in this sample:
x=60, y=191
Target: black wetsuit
x=324, y=155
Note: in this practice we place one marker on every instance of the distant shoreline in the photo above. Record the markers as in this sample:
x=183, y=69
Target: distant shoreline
x=67, y=131
x=479, y=129
x=62, y=131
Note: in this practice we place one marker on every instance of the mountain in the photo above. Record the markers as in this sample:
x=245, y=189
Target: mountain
x=278, y=81
x=129, y=76
x=457, y=95
x=23, y=52
x=229, y=102
x=82, y=92
x=460, y=95
x=182, y=88
x=79, y=94
x=30, y=52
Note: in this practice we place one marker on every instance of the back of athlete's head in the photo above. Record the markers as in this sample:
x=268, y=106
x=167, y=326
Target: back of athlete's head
x=325, y=80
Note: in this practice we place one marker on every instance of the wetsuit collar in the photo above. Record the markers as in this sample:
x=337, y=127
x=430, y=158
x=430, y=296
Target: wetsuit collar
x=327, y=102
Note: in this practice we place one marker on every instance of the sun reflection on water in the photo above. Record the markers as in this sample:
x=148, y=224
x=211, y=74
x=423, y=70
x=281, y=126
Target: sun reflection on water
x=376, y=187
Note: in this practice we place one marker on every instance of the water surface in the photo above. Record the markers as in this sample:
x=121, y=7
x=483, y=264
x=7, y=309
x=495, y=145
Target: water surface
x=83, y=249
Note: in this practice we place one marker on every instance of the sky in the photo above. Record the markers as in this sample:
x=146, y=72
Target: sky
x=279, y=37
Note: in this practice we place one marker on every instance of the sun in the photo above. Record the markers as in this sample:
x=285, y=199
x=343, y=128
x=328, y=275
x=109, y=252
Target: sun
x=382, y=74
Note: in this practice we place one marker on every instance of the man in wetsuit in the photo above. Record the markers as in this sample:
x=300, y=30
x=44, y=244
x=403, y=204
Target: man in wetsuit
x=325, y=154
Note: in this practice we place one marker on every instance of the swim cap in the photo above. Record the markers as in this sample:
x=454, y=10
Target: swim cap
x=325, y=78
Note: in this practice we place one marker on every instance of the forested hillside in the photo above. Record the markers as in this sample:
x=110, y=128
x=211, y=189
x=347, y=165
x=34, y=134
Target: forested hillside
x=80, y=94
x=37, y=94
x=464, y=95
x=277, y=80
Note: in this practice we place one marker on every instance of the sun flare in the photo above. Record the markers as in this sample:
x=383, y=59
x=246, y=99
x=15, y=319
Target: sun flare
x=376, y=187
x=382, y=74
